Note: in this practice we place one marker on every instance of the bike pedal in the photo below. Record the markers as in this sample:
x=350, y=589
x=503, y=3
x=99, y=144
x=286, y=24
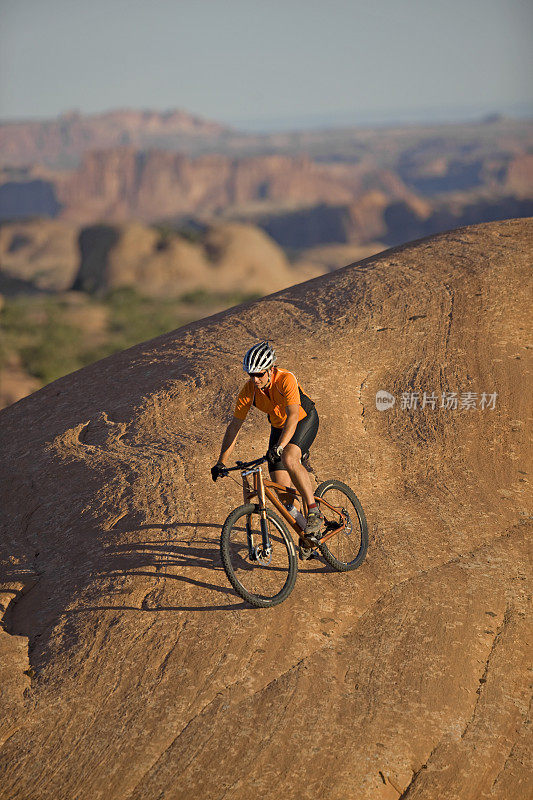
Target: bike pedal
x=306, y=553
x=312, y=541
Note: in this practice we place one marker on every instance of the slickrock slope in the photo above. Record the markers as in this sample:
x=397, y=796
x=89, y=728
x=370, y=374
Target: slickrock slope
x=130, y=669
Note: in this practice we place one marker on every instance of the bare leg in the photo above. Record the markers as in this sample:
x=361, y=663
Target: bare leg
x=282, y=476
x=296, y=472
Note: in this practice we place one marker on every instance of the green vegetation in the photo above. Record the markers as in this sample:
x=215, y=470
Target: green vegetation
x=52, y=335
x=191, y=233
x=37, y=331
x=204, y=298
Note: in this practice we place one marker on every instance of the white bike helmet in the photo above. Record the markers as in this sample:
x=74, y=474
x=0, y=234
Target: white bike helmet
x=259, y=358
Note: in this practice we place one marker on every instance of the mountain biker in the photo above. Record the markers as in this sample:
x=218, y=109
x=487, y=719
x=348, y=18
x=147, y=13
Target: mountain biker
x=294, y=425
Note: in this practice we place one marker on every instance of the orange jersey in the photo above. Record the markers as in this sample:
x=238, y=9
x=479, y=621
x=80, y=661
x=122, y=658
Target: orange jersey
x=283, y=391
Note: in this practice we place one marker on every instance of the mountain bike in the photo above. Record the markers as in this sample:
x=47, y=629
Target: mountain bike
x=259, y=554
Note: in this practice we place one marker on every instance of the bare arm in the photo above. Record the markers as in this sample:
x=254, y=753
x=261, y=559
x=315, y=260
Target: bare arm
x=290, y=425
x=230, y=437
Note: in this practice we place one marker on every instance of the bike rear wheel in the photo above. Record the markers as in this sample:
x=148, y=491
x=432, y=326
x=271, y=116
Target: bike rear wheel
x=262, y=579
x=345, y=550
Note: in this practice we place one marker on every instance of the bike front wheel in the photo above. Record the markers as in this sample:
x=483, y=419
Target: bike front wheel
x=262, y=578
x=345, y=550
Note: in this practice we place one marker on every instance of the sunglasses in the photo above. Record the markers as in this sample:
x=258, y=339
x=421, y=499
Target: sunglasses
x=257, y=374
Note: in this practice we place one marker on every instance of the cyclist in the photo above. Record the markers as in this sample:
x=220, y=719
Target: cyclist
x=294, y=425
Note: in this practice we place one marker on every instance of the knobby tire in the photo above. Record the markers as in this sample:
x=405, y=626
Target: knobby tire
x=241, y=570
x=344, y=551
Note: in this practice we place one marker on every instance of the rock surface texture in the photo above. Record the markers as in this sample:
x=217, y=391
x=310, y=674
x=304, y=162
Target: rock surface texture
x=130, y=670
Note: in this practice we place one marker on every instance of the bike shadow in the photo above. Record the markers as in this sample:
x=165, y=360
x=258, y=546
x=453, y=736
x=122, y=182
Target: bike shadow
x=181, y=558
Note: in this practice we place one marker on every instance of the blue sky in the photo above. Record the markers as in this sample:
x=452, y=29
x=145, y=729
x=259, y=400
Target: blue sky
x=244, y=60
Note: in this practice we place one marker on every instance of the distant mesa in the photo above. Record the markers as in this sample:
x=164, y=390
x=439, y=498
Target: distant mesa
x=299, y=202
x=61, y=142
x=305, y=189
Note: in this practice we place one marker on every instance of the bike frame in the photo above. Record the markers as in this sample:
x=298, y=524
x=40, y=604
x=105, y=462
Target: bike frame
x=262, y=489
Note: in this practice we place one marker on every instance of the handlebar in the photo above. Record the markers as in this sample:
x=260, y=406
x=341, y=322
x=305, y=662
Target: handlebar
x=241, y=465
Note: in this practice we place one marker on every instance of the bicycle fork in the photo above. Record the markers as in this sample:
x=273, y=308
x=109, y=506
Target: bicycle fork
x=264, y=552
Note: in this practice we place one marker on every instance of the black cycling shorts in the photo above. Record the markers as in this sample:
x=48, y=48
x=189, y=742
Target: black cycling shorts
x=303, y=436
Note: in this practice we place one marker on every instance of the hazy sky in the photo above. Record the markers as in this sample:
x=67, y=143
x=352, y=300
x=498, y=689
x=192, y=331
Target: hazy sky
x=237, y=60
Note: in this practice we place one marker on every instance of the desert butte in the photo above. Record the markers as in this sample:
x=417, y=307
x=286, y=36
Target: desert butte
x=129, y=668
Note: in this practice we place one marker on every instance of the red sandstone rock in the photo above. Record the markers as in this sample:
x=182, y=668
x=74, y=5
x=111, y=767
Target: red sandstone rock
x=149, y=679
x=519, y=178
x=124, y=183
x=43, y=253
x=230, y=257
